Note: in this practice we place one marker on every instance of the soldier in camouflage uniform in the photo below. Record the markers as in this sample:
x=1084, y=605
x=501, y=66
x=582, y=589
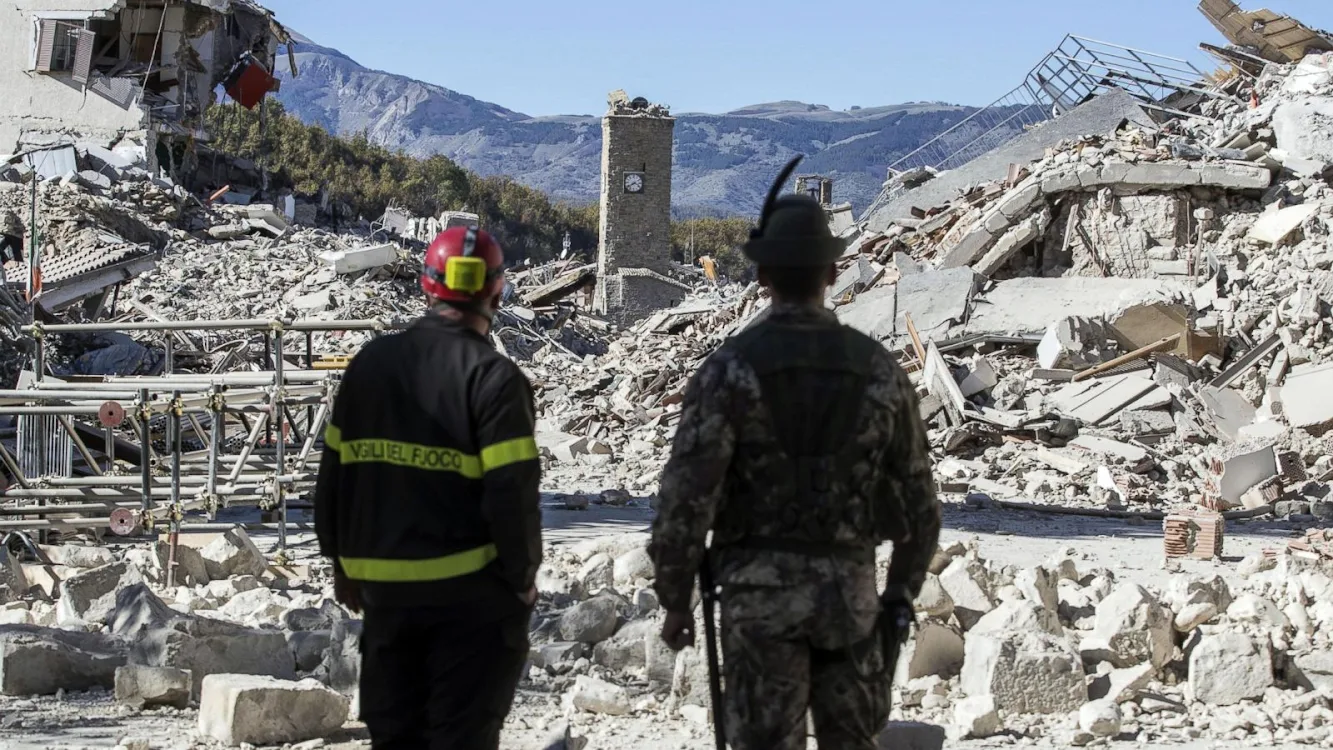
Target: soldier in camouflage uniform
x=801, y=447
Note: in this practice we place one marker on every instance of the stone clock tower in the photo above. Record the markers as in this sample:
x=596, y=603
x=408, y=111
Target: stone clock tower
x=634, y=256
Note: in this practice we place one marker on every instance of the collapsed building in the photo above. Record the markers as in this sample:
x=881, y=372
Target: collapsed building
x=1118, y=313
x=134, y=78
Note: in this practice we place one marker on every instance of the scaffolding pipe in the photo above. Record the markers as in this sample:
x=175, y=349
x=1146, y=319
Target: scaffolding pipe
x=281, y=457
x=145, y=464
x=254, y=324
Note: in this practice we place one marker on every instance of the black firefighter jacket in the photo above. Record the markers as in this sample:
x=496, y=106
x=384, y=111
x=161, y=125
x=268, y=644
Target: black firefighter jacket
x=428, y=486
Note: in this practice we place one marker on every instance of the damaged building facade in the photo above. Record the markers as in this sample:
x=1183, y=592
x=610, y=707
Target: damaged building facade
x=136, y=77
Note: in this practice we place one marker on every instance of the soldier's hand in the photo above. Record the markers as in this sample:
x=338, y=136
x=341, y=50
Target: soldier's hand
x=529, y=598
x=347, y=592
x=678, y=630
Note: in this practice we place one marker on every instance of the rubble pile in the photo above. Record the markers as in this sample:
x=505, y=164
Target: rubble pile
x=1135, y=322
x=1050, y=651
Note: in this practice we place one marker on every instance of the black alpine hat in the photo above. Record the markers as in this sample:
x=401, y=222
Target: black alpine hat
x=793, y=230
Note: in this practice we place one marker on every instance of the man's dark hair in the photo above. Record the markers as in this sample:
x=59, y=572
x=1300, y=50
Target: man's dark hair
x=796, y=283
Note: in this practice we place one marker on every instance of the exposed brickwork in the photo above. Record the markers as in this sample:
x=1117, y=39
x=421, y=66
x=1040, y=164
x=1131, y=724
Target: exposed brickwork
x=635, y=227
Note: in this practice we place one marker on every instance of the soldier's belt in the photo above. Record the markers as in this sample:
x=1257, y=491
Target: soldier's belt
x=852, y=552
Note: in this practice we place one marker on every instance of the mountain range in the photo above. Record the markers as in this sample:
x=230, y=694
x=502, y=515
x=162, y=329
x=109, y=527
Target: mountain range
x=723, y=165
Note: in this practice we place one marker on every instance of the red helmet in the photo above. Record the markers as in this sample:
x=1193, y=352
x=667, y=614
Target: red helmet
x=463, y=264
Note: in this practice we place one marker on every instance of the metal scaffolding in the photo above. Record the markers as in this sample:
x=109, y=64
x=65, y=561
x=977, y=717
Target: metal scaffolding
x=1076, y=71
x=146, y=451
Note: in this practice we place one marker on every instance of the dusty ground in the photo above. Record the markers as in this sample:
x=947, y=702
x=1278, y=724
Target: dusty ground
x=1132, y=550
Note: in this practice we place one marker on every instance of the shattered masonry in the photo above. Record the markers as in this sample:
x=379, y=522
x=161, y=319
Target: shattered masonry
x=1118, y=327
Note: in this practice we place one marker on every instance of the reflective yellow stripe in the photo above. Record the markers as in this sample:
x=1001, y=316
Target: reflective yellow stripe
x=411, y=455
x=509, y=452
x=407, y=571
x=333, y=438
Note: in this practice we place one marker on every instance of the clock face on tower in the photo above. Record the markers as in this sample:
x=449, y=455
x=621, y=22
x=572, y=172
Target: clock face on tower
x=634, y=182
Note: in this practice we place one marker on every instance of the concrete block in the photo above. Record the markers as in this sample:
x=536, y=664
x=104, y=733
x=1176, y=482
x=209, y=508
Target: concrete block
x=361, y=259
x=1135, y=627
x=217, y=648
x=1307, y=398
x=90, y=596
x=1020, y=200
x=140, y=687
x=968, y=249
x=591, y=621
x=1010, y=243
x=995, y=222
x=1227, y=668
x=233, y=554
x=1025, y=672
x=78, y=556
x=41, y=661
x=236, y=709
x=1312, y=671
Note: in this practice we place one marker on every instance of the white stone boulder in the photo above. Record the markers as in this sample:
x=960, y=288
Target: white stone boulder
x=1192, y=616
x=1227, y=668
x=591, y=621
x=632, y=566
x=626, y=649
x=977, y=717
x=1100, y=718
x=90, y=595
x=599, y=697
x=138, y=686
x=1039, y=586
x=235, y=709
x=1134, y=627
x=934, y=601
x=259, y=606
x=233, y=554
x=1019, y=615
x=968, y=585
x=1024, y=671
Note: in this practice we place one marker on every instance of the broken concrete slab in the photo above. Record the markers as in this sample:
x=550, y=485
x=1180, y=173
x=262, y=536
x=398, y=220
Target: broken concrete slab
x=361, y=259
x=90, y=595
x=1076, y=344
x=1307, y=398
x=42, y=661
x=600, y=697
x=936, y=300
x=236, y=709
x=207, y=647
x=874, y=313
x=1229, y=409
x=1242, y=471
x=1275, y=226
x=1013, y=240
x=1031, y=305
x=934, y=649
x=1095, y=401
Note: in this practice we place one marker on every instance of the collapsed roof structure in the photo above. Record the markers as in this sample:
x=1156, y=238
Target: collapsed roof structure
x=132, y=77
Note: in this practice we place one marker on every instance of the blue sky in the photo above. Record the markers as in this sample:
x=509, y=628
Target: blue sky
x=545, y=57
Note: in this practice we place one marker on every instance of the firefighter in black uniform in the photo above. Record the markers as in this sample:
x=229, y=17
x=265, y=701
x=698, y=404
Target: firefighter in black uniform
x=427, y=502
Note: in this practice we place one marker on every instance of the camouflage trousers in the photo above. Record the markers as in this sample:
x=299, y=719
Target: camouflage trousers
x=778, y=663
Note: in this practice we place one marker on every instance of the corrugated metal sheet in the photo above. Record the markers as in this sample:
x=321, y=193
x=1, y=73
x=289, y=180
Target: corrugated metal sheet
x=53, y=163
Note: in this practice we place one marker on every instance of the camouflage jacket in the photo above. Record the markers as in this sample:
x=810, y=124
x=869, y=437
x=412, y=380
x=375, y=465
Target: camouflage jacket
x=724, y=419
